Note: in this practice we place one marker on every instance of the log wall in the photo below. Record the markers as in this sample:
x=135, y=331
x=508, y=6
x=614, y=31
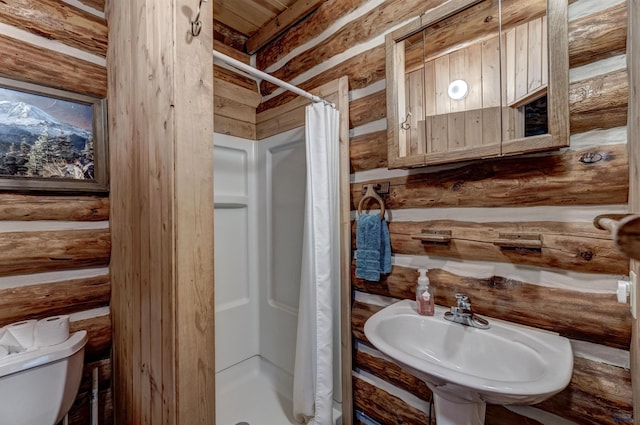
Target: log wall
x=57, y=248
x=566, y=286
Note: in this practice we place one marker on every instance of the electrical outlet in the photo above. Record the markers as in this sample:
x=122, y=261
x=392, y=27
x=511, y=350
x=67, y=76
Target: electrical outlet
x=633, y=285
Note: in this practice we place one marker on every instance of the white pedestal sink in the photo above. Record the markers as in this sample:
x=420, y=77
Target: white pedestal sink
x=467, y=367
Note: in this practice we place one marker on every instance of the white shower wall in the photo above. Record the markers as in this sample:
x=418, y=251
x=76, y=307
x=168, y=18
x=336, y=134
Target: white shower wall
x=259, y=195
x=259, y=211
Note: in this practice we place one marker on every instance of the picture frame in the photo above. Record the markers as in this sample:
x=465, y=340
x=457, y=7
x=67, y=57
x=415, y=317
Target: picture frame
x=52, y=140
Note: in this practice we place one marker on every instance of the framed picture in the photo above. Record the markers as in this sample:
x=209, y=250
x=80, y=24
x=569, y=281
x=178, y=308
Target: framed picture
x=51, y=140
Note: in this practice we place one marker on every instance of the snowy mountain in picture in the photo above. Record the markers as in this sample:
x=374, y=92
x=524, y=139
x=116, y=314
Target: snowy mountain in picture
x=21, y=121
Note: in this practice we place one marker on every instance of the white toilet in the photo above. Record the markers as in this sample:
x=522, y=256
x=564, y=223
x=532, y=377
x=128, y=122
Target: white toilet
x=38, y=387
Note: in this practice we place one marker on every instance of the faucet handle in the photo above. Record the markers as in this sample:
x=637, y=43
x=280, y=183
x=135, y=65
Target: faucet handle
x=463, y=301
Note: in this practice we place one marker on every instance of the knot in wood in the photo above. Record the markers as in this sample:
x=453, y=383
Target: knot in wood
x=456, y=186
x=586, y=255
x=488, y=18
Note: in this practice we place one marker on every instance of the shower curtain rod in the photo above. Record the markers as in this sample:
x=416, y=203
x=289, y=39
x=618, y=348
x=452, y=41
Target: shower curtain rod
x=256, y=72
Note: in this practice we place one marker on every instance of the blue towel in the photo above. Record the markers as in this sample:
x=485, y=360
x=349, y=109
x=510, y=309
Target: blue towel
x=373, y=247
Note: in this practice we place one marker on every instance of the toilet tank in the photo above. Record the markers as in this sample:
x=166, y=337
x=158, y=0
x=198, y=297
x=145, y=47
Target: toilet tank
x=39, y=386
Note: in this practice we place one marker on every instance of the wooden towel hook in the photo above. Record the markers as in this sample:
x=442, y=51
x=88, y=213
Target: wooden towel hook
x=371, y=193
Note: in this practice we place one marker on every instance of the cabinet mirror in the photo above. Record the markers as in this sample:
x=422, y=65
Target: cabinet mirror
x=478, y=79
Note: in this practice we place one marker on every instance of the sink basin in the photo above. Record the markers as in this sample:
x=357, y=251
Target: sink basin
x=467, y=367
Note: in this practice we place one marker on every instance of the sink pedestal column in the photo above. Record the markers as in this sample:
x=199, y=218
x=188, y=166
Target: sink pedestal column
x=458, y=412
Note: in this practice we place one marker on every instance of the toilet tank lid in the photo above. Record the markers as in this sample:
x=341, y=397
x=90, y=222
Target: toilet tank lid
x=18, y=362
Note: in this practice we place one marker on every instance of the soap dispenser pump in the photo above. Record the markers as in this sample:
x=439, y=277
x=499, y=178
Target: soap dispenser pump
x=424, y=295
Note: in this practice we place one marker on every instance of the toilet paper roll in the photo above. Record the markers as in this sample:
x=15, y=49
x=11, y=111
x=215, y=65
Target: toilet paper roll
x=23, y=332
x=51, y=331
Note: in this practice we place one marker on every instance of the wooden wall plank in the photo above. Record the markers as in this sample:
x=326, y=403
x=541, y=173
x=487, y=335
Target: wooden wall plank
x=600, y=102
x=226, y=107
x=41, y=207
x=596, y=318
x=231, y=52
x=58, y=21
x=229, y=36
x=24, y=61
x=384, y=407
x=368, y=151
x=552, y=179
x=240, y=94
x=368, y=108
x=233, y=127
x=566, y=246
x=281, y=23
x=598, y=36
x=362, y=70
x=96, y=4
x=392, y=373
x=99, y=336
x=597, y=394
x=224, y=74
x=49, y=299
x=313, y=26
x=34, y=252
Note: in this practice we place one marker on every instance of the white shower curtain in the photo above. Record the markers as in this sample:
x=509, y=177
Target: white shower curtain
x=320, y=277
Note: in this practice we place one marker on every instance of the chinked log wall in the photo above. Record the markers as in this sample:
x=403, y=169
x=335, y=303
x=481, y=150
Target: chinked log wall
x=56, y=249
x=566, y=286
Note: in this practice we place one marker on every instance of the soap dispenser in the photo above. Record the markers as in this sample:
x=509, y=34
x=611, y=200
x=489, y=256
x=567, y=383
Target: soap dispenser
x=424, y=295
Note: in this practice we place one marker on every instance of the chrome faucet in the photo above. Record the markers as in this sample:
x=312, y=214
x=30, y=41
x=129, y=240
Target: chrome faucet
x=461, y=313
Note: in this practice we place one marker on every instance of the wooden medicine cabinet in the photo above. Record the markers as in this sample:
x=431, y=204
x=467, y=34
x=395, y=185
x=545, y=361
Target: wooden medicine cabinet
x=478, y=79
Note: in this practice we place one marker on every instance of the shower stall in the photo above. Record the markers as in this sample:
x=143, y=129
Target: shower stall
x=259, y=221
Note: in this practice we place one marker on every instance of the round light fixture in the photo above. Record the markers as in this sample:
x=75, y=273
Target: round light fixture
x=458, y=89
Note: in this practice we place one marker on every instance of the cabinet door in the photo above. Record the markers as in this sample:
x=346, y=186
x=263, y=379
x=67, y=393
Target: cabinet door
x=473, y=79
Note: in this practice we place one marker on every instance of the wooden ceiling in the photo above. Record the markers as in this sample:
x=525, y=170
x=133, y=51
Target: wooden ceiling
x=257, y=22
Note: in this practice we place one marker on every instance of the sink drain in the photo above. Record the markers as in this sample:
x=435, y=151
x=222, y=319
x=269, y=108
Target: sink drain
x=242, y=423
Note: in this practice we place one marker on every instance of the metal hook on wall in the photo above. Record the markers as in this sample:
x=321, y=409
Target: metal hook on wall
x=196, y=24
x=406, y=125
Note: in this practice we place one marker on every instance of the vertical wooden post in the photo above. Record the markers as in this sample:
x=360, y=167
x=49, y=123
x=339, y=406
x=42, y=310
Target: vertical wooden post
x=161, y=150
x=633, y=146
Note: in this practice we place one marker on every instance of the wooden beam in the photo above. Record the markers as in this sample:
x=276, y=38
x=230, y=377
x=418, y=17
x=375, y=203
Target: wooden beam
x=230, y=51
x=227, y=35
x=529, y=181
x=49, y=299
x=56, y=20
x=223, y=74
x=34, y=252
x=566, y=246
x=66, y=208
x=368, y=151
x=27, y=62
x=362, y=70
x=598, y=36
x=597, y=318
x=96, y=4
x=281, y=23
x=314, y=25
x=384, y=407
x=599, y=102
x=237, y=93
